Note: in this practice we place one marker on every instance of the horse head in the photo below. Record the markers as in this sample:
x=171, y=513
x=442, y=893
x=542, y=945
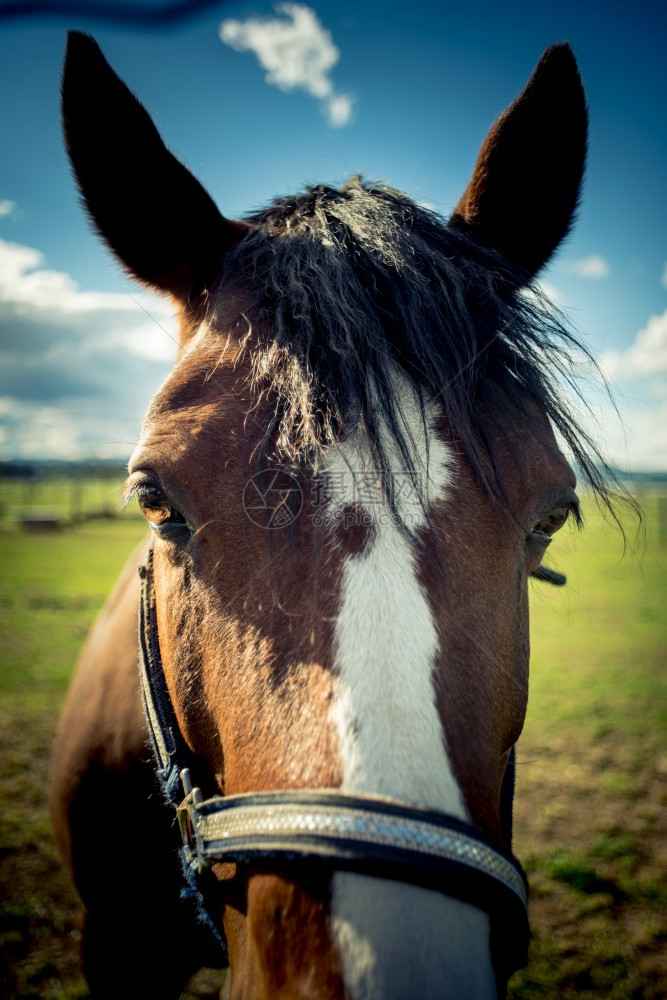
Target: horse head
x=351, y=475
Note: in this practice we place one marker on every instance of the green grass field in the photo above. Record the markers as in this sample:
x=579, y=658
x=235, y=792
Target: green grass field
x=592, y=774
x=590, y=805
x=66, y=499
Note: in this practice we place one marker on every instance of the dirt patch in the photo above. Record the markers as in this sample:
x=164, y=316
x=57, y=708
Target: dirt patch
x=589, y=821
x=39, y=909
x=39, y=937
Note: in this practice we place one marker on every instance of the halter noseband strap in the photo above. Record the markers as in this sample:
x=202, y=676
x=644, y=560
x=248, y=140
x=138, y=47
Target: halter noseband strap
x=368, y=834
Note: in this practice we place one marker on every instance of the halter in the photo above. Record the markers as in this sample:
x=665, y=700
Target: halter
x=367, y=834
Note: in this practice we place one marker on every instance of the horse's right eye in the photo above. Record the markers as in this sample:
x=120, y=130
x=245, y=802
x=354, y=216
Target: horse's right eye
x=155, y=506
x=164, y=519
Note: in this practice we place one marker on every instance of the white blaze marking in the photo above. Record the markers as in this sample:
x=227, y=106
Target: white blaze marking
x=395, y=940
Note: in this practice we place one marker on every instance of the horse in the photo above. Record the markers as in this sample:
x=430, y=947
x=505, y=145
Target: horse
x=351, y=475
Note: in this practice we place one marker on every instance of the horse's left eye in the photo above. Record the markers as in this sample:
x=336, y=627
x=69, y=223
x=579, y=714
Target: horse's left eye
x=549, y=525
x=541, y=534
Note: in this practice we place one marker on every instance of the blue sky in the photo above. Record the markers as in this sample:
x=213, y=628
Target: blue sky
x=402, y=92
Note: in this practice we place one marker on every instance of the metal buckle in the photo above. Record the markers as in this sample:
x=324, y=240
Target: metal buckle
x=186, y=814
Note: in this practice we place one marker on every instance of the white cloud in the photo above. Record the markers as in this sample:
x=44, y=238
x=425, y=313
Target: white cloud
x=77, y=368
x=37, y=431
x=31, y=289
x=647, y=355
x=6, y=207
x=648, y=441
x=592, y=267
x=630, y=429
x=339, y=110
x=139, y=323
x=298, y=52
x=639, y=442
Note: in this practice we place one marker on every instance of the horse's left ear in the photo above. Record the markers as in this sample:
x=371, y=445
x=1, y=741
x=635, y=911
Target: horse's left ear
x=150, y=210
x=525, y=187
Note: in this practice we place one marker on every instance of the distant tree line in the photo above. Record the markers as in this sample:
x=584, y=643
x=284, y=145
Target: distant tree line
x=111, y=468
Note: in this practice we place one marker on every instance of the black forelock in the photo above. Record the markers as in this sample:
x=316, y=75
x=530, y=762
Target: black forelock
x=347, y=286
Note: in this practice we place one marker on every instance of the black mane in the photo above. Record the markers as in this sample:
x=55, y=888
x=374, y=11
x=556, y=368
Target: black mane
x=347, y=285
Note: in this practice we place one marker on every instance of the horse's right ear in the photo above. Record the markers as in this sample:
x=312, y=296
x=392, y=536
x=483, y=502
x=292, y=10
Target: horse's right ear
x=150, y=210
x=525, y=186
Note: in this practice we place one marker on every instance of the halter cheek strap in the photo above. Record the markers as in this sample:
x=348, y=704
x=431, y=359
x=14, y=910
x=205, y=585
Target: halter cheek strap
x=368, y=834
x=171, y=753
